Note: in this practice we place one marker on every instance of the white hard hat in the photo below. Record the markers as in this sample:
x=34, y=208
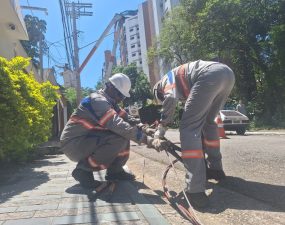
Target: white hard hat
x=122, y=83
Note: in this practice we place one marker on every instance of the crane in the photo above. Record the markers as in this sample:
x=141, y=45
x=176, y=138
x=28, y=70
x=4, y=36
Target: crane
x=117, y=22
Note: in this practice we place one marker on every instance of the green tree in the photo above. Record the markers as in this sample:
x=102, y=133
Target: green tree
x=36, y=29
x=99, y=85
x=246, y=35
x=70, y=95
x=141, y=90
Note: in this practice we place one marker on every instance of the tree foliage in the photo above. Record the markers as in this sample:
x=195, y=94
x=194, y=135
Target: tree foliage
x=140, y=90
x=26, y=108
x=36, y=29
x=70, y=95
x=246, y=35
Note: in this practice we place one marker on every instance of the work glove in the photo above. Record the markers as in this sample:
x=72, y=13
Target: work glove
x=156, y=143
x=146, y=129
x=159, y=144
x=133, y=121
x=147, y=140
x=160, y=132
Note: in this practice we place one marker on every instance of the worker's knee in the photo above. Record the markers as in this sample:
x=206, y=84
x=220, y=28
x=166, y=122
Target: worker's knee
x=118, y=141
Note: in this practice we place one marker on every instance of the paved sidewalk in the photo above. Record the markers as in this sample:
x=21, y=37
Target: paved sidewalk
x=44, y=192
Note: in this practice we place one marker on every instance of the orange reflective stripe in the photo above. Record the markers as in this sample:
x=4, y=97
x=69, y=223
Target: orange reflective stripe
x=94, y=164
x=192, y=154
x=182, y=79
x=108, y=115
x=85, y=123
x=212, y=143
x=124, y=153
x=169, y=87
x=122, y=113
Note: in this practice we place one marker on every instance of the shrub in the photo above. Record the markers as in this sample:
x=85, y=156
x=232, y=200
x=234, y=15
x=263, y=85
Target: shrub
x=25, y=110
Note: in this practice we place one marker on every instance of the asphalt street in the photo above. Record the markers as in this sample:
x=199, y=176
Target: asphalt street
x=253, y=193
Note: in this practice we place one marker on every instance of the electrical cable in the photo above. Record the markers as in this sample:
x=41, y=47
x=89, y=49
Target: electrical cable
x=66, y=36
x=95, y=41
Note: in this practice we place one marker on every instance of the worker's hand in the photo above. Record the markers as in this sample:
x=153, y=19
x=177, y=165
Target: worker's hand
x=147, y=140
x=159, y=144
x=134, y=121
x=146, y=129
x=160, y=132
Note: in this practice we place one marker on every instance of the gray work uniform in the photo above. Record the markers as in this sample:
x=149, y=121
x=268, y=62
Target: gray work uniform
x=241, y=108
x=98, y=134
x=204, y=87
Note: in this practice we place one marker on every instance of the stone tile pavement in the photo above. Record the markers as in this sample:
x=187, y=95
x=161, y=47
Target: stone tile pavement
x=44, y=193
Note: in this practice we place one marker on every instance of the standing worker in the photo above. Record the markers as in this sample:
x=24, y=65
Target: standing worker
x=241, y=108
x=204, y=87
x=98, y=134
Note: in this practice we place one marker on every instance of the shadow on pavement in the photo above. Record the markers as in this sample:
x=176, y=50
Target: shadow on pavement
x=255, y=196
x=18, y=178
x=239, y=194
x=124, y=192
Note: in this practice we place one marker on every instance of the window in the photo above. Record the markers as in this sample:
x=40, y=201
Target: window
x=140, y=62
x=134, y=54
x=138, y=28
x=140, y=53
x=131, y=29
x=132, y=38
x=132, y=46
x=138, y=36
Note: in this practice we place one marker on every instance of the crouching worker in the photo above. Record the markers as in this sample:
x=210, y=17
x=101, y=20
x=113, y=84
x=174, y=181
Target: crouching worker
x=98, y=134
x=204, y=87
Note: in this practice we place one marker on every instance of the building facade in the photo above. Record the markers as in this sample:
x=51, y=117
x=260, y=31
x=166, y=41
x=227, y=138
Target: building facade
x=141, y=32
x=12, y=31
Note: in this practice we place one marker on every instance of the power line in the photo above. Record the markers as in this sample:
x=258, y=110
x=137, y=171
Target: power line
x=68, y=31
x=30, y=7
x=65, y=34
x=95, y=41
x=70, y=12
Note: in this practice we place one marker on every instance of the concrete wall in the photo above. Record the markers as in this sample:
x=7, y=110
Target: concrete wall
x=12, y=30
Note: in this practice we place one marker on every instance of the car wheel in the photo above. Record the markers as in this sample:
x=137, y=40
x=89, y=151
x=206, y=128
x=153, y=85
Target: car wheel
x=240, y=131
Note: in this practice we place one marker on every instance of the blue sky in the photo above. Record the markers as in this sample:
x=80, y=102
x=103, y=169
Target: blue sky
x=91, y=28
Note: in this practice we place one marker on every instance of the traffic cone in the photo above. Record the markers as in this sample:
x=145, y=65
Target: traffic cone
x=219, y=122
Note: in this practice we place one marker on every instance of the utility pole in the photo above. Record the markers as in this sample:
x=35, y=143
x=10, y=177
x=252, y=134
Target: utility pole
x=76, y=10
x=76, y=55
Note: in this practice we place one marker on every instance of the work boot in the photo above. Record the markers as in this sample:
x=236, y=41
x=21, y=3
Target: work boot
x=215, y=174
x=85, y=178
x=198, y=200
x=123, y=175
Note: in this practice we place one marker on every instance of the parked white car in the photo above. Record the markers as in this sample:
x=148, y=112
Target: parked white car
x=234, y=121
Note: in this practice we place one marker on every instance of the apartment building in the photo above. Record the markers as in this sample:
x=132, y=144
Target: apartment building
x=136, y=38
x=160, y=9
x=140, y=32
